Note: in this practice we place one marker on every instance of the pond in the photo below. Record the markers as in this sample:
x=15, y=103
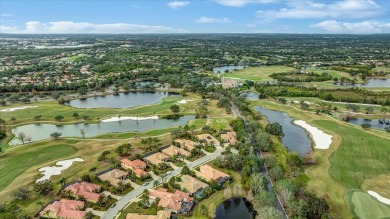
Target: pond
x=223, y=69
x=253, y=96
x=295, y=137
x=235, y=208
x=121, y=100
x=374, y=122
x=372, y=82
x=43, y=131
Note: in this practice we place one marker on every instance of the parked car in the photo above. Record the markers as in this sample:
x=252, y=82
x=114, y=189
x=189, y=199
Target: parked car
x=145, y=184
x=113, y=205
x=169, y=172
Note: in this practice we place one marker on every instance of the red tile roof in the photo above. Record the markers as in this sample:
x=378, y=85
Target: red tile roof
x=64, y=209
x=170, y=200
x=85, y=189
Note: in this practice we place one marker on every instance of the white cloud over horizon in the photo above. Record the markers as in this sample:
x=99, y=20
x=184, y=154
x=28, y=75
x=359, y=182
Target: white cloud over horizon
x=363, y=27
x=36, y=27
x=178, y=4
x=241, y=3
x=308, y=9
x=210, y=20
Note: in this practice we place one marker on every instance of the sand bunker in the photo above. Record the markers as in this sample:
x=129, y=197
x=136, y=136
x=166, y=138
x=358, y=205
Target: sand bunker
x=320, y=138
x=184, y=101
x=16, y=108
x=379, y=197
x=49, y=171
x=115, y=119
x=298, y=102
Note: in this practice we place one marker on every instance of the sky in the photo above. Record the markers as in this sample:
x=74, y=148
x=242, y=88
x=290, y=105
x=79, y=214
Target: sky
x=195, y=16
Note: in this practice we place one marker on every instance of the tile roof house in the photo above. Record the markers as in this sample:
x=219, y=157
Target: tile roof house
x=113, y=176
x=229, y=137
x=162, y=214
x=173, y=150
x=208, y=138
x=208, y=173
x=179, y=201
x=156, y=158
x=186, y=144
x=137, y=166
x=64, y=209
x=86, y=190
x=191, y=184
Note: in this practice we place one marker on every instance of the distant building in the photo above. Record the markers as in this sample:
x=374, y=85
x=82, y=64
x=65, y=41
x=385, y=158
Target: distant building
x=209, y=173
x=90, y=191
x=179, y=202
x=64, y=209
x=137, y=166
x=163, y=214
x=211, y=140
x=173, y=150
x=229, y=137
x=193, y=185
x=186, y=144
x=114, y=176
x=156, y=158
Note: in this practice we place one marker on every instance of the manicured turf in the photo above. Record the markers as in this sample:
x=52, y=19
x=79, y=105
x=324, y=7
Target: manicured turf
x=258, y=73
x=14, y=164
x=364, y=205
x=333, y=73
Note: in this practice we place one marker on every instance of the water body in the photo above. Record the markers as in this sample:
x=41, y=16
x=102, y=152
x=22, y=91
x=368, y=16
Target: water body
x=374, y=123
x=253, y=96
x=122, y=100
x=372, y=83
x=235, y=208
x=295, y=137
x=222, y=69
x=43, y=131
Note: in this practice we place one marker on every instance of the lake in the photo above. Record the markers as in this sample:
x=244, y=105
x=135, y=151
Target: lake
x=295, y=137
x=235, y=208
x=222, y=69
x=373, y=82
x=374, y=122
x=122, y=100
x=43, y=131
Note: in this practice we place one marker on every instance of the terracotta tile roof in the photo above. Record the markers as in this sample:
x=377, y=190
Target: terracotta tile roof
x=162, y=214
x=85, y=189
x=156, y=158
x=209, y=173
x=170, y=200
x=64, y=209
x=208, y=138
x=140, y=172
x=191, y=184
x=229, y=137
x=186, y=143
x=173, y=150
x=114, y=176
x=135, y=164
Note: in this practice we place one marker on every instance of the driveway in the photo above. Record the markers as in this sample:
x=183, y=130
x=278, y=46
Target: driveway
x=120, y=204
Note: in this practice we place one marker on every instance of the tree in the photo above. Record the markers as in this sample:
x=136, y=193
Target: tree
x=63, y=181
x=315, y=207
x=387, y=129
x=43, y=187
x=175, y=108
x=268, y=212
x=89, y=215
x=21, y=193
x=82, y=133
x=369, y=110
x=76, y=115
x=13, y=118
x=22, y=137
x=204, y=210
x=55, y=135
x=59, y=118
x=275, y=129
x=366, y=125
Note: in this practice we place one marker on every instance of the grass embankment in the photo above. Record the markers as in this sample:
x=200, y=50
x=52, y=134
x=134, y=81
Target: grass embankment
x=258, y=73
x=365, y=206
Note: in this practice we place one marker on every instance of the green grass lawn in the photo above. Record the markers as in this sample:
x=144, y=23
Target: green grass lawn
x=364, y=205
x=14, y=164
x=134, y=208
x=333, y=73
x=258, y=73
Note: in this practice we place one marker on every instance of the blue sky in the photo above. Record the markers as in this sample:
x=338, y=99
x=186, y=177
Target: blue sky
x=195, y=16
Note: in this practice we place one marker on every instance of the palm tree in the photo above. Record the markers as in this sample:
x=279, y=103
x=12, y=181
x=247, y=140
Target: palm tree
x=63, y=181
x=121, y=186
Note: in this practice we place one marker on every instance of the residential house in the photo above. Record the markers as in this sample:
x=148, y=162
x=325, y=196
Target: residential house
x=209, y=173
x=179, y=202
x=186, y=144
x=162, y=214
x=113, y=176
x=137, y=166
x=173, y=150
x=64, y=208
x=90, y=191
x=229, y=137
x=156, y=158
x=211, y=140
x=193, y=185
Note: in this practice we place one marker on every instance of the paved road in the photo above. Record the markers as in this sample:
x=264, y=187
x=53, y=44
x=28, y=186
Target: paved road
x=120, y=204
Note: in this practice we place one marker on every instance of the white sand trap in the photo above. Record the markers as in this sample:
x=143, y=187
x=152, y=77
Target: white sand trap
x=379, y=197
x=115, y=119
x=49, y=171
x=16, y=108
x=184, y=101
x=298, y=102
x=320, y=138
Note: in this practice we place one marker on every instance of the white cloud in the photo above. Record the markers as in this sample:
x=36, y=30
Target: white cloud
x=178, y=4
x=308, y=9
x=209, y=20
x=84, y=27
x=6, y=15
x=240, y=3
x=363, y=27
